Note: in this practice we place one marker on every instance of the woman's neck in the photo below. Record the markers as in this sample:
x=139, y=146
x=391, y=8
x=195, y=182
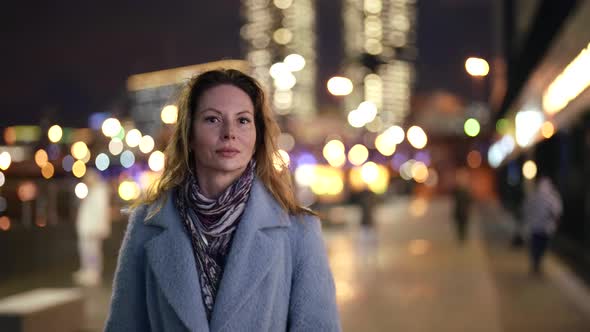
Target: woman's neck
x=212, y=185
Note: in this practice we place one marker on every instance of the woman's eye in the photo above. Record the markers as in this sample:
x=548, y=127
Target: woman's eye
x=211, y=119
x=245, y=120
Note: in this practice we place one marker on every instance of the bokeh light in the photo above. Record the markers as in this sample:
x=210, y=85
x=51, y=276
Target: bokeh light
x=133, y=138
x=327, y=181
x=417, y=137
x=305, y=175
x=79, y=150
x=79, y=168
x=547, y=129
x=127, y=159
x=529, y=169
x=340, y=86
x=477, y=67
x=385, y=145
x=111, y=127
x=41, y=157
x=26, y=191
x=81, y=190
x=67, y=163
x=128, y=190
x=156, y=161
x=2, y=179
x=10, y=135
x=471, y=127
x=294, y=62
x=334, y=153
x=395, y=134
x=358, y=154
x=47, y=170
x=102, y=162
x=146, y=144
x=115, y=146
x=4, y=223
x=169, y=114
x=55, y=133
x=5, y=160
x=369, y=172
x=502, y=126
x=368, y=110
x=419, y=172
x=474, y=159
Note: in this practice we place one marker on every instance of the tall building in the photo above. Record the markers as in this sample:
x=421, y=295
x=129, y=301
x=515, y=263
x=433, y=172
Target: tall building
x=379, y=37
x=279, y=44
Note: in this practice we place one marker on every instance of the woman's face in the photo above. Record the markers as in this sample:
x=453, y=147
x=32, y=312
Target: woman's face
x=223, y=132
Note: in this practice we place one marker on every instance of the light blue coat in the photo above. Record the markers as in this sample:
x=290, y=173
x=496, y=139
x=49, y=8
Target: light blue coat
x=276, y=277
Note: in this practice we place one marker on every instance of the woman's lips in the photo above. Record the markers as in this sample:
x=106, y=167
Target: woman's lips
x=227, y=153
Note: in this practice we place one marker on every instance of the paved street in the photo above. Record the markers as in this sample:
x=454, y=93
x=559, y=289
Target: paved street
x=410, y=274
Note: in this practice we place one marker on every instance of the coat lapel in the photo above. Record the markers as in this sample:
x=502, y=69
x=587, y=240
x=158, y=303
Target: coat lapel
x=251, y=255
x=171, y=259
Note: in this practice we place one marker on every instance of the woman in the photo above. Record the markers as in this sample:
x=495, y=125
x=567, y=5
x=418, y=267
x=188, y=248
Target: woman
x=220, y=243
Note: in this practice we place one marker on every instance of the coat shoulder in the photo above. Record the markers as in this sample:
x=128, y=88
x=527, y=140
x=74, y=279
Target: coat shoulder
x=305, y=234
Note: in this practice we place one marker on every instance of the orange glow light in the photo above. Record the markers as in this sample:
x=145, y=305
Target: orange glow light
x=547, y=130
x=10, y=135
x=474, y=159
x=4, y=223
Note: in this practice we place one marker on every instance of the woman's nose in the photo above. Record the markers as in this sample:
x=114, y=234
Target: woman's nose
x=228, y=131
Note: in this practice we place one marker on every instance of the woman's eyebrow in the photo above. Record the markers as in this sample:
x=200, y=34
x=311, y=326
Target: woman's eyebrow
x=245, y=111
x=211, y=109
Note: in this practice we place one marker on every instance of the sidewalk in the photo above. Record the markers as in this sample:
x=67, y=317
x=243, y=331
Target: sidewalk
x=415, y=277
x=558, y=301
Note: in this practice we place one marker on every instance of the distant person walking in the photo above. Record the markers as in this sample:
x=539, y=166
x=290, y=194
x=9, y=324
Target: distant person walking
x=542, y=210
x=462, y=203
x=93, y=225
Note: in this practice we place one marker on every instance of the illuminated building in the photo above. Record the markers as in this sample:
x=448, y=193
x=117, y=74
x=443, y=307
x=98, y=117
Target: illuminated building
x=379, y=37
x=279, y=34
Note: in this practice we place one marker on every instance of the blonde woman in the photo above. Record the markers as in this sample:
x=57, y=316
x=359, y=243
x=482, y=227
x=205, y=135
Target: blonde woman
x=220, y=244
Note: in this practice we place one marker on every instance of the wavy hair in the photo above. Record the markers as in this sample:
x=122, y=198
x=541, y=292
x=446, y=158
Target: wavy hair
x=179, y=160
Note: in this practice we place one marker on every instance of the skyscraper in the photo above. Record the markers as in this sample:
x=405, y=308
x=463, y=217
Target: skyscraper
x=279, y=44
x=379, y=37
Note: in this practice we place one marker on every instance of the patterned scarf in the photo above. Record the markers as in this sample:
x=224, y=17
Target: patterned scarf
x=211, y=224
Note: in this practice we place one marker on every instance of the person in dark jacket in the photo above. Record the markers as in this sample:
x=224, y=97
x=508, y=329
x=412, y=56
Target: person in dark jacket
x=462, y=204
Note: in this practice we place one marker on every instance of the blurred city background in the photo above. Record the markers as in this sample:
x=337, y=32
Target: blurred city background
x=395, y=115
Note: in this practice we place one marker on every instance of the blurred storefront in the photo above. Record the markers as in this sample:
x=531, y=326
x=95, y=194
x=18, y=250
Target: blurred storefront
x=543, y=111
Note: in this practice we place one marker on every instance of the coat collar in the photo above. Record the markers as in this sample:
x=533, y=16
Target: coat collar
x=250, y=259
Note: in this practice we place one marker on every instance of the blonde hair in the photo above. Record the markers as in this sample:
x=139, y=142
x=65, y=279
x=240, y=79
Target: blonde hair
x=178, y=157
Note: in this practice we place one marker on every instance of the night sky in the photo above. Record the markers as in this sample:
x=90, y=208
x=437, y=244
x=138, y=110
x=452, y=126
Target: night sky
x=64, y=60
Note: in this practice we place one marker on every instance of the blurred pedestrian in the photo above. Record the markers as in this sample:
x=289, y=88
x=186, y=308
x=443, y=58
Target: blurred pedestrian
x=542, y=210
x=221, y=243
x=462, y=204
x=93, y=225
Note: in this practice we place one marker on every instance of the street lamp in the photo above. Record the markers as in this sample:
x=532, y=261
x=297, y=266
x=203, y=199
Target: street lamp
x=477, y=67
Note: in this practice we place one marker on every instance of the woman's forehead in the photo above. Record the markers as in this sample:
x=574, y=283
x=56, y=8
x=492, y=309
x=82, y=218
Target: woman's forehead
x=225, y=96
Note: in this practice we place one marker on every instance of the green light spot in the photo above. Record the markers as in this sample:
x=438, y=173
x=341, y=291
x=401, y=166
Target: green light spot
x=502, y=126
x=121, y=134
x=471, y=127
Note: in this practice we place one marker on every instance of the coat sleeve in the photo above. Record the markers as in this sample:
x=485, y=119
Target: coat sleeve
x=128, y=310
x=312, y=305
